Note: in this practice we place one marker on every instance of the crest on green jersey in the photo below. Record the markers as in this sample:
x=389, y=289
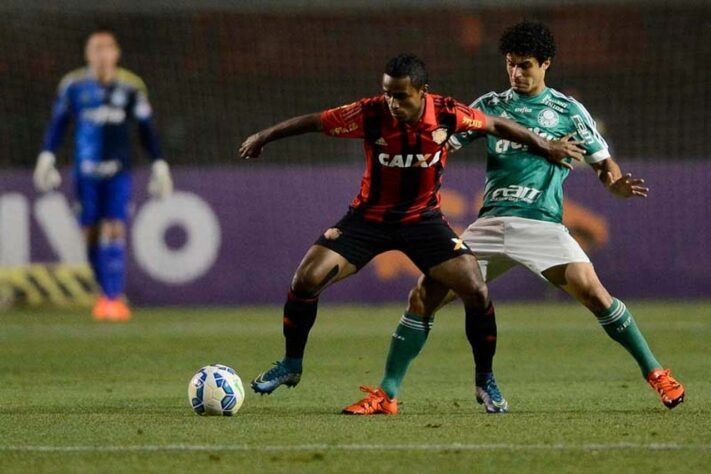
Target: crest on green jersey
x=548, y=118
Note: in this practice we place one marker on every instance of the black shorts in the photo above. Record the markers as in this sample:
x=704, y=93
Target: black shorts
x=427, y=243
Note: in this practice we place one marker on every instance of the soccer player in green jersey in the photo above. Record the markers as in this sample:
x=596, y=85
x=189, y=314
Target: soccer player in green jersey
x=520, y=224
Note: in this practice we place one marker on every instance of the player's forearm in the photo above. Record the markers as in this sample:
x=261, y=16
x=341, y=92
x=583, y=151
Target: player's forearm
x=149, y=138
x=55, y=133
x=510, y=130
x=608, y=171
x=293, y=126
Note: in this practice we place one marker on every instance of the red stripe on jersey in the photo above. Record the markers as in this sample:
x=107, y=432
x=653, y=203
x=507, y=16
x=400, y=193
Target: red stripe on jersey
x=403, y=175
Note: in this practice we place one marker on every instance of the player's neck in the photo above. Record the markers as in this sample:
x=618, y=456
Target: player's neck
x=534, y=92
x=106, y=76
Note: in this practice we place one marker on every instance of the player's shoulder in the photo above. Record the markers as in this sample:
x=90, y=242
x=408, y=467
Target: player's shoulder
x=566, y=102
x=372, y=102
x=131, y=79
x=73, y=77
x=446, y=103
x=492, y=99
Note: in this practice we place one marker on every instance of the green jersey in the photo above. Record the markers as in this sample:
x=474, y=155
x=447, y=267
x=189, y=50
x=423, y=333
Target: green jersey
x=518, y=182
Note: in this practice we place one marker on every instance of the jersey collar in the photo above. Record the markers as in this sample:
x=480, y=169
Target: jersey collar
x=530, y=99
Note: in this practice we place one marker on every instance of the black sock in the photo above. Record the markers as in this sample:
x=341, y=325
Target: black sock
x=481, y=333
x=299, y=317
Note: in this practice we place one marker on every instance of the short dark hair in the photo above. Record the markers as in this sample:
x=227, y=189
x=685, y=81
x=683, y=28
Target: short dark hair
x=528, y=39
x=100, y=30
x=408, y=65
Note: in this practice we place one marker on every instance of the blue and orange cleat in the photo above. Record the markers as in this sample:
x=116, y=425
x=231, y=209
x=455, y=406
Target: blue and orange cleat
x=280, y=374
x=668, y=388
x=489, y=395
x=376, y=403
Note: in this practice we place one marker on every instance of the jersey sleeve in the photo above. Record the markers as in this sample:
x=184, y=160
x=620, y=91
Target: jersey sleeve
x=61, y=114
x=344, y=122
x=458, y=140
x=595, y=146
x=143, y=114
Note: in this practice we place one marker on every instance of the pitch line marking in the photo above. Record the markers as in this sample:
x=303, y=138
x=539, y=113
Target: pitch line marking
x=364, y=447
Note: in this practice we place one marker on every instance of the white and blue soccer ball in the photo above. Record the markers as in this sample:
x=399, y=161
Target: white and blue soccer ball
x=216, y=390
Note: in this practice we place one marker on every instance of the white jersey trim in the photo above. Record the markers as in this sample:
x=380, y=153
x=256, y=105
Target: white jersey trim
x=598, y=156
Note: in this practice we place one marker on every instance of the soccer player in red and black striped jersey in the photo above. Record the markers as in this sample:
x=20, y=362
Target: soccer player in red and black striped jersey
x=404, y=131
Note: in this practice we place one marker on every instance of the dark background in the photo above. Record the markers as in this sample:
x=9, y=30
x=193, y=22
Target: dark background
x=215, y=75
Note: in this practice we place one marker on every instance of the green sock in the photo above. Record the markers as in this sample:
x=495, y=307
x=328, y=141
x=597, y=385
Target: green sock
x=408, y=339
x=619, y=324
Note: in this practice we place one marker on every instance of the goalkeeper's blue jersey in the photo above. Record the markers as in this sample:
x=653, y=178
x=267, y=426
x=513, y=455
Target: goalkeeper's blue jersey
x=102, y=114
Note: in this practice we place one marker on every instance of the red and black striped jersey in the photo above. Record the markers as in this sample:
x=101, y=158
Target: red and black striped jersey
x=404, y=163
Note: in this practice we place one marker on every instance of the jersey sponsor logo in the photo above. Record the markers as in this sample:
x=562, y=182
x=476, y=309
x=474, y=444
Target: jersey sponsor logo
x=516, y=193
x=343, y=130
x=582, y=129
x=439, y=136
x=548, y=118
x=101, y=169
x=524, y=110
x=555, y=105
x=410, y=160
x=381, y=141
x=502, y=146
x=470, y=122
x=104, y=114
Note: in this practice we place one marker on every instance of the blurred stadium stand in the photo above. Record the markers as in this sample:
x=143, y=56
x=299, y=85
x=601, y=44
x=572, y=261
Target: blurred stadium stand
x=219, y=70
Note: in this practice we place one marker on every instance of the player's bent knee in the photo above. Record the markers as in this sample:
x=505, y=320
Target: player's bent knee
x=416, y=302
x=308, y=283
x=474, y=292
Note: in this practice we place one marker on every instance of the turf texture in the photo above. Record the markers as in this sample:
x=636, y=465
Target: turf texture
x=80, y=396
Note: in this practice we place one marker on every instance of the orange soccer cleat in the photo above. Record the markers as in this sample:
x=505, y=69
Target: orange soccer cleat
x=107, y=309
x=376, y=403
x=99, y=310
x=671, y=391
x=117, y=310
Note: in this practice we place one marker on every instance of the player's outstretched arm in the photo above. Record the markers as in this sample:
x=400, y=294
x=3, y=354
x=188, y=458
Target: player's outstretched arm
x=624, y=186
x=554, y=151
x=46, y=177
x=252, y=146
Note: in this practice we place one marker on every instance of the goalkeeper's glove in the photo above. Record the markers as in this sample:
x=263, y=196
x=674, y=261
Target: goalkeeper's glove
x=160, y=184
x=46, y=177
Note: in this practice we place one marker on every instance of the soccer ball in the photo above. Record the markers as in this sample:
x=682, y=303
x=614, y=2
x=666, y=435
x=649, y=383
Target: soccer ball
x=216, y=390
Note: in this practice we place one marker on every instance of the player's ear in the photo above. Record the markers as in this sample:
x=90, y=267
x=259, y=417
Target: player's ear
x=425, y=89
x=546, y=64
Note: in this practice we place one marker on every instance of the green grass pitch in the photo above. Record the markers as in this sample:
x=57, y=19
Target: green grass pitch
x=77, y=396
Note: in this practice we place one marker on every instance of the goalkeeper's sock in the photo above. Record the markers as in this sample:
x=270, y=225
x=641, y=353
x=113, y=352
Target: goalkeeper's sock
x=481, y=333
x=406, y=343
x=299, y=318
x=619, y=324
x=112, y=257
x=94, y=257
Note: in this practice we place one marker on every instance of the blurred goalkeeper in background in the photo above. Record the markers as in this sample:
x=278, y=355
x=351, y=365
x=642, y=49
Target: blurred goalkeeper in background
x=103, y=100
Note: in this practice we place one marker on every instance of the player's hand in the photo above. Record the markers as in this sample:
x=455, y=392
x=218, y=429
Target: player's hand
x=252, y=146
x=161, y=183
x=626, y=186
x=564, y=148
x=46, y=177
